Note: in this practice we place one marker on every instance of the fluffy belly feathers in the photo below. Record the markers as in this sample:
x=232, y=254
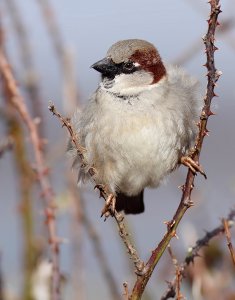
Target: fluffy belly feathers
x=133, y=152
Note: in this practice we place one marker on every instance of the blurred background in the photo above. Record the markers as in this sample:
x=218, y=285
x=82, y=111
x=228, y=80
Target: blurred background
x=51, y=46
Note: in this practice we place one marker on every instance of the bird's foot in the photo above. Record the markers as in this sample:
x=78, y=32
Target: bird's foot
x=192, y=165
x=101, y=188
x=109, y=207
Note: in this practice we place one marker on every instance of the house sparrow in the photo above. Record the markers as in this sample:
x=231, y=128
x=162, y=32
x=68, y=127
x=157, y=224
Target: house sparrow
x=140, y=123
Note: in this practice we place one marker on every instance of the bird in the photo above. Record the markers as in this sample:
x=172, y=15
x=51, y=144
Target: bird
x=139, y=125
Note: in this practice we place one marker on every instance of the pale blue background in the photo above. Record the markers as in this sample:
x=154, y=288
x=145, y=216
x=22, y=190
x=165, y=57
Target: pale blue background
x=88, y=29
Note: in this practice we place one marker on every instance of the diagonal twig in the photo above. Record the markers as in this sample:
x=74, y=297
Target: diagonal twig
x=104, y=192
x=186, y=202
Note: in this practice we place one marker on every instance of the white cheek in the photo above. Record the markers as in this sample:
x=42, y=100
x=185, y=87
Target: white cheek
x=127, y=83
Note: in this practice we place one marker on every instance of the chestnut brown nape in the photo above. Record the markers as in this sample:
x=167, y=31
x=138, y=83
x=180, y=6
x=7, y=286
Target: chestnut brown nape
x=150, y=61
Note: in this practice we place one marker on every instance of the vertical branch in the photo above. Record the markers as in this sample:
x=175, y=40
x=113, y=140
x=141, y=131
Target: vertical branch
x=186, y=201
x=18, y=103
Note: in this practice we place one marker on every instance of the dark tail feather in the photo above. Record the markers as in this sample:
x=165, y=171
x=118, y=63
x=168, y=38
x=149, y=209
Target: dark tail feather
x=130, y=204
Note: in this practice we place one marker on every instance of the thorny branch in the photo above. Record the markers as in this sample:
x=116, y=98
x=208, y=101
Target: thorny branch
x=193, y=252
x=144, y=272
x=186, y=202
x=42, y=171
x=104, y=193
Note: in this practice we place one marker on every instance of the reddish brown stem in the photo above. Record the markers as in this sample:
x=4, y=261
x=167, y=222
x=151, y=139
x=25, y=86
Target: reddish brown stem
x=104, y=192
x=186, y=201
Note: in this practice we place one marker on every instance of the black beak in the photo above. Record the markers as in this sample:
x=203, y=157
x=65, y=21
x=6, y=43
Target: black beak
x=106, y=67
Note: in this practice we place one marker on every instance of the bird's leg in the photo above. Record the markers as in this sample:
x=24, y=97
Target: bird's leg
x=192, y=165
x=110, y=202
x=109, y=206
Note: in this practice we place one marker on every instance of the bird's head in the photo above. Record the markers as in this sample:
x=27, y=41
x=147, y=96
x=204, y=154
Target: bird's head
x=131, y=65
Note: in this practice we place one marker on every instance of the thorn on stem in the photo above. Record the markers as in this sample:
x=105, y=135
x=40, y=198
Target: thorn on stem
x=210, y=113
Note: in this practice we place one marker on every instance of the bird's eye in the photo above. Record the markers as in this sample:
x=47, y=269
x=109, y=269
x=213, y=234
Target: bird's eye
x=128, y=67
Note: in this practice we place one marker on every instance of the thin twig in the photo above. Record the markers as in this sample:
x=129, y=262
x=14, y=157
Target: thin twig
x=193, y=252
x=186, y=202
x=104, y=193
x=228, y=237
x=42, y=171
